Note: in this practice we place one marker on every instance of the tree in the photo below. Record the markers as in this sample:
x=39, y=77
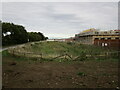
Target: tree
x=17, y=34
x=34, y=36
x=46, y=38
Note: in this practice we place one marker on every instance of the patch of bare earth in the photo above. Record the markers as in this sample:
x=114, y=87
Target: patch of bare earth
x=37, y=74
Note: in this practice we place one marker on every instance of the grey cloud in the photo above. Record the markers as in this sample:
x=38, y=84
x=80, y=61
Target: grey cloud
x=61, y=19
x=63, y=16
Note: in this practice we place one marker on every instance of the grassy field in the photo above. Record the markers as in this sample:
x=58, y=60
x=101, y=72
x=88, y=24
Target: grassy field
x=93, y=72
x=64, y=47
x=51, y=50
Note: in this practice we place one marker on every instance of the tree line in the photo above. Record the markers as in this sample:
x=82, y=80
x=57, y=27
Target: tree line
x=17, y=34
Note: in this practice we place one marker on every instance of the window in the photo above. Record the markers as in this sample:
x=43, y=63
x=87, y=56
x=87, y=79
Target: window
x=105, y=32
x=96, y=32
x=113, y=37
x=102, y=38
x=117, y=32
x=96, y=38
x=117, y=38
x=108, y=38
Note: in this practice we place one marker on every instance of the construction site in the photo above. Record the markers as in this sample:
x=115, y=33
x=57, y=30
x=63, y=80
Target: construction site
x=109, y=38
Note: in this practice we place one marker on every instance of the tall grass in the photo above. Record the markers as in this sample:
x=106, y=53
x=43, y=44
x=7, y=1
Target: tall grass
x=74, y=49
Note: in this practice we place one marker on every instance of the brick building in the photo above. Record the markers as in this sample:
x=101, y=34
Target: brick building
x=110, y=39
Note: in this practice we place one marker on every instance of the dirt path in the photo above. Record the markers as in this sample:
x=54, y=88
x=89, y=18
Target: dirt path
x=37, y=74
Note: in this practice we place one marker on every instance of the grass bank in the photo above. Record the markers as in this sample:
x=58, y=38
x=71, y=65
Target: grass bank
x=72, y=49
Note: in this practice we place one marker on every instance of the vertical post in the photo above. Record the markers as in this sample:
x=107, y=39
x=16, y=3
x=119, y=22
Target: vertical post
x=13, y=52
x=65, y=56
x=41, y=55
x=24, y=54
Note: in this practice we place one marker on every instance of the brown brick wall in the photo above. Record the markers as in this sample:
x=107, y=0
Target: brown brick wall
x=109, y=43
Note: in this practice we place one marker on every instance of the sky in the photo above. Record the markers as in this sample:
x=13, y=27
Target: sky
x=61, y=19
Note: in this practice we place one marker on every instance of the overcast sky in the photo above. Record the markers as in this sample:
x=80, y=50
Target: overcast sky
x=61, y=19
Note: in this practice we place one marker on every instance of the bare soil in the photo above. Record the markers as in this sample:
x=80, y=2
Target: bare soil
x=53, y=74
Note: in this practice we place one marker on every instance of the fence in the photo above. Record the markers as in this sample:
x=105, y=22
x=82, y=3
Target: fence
x=81, y=57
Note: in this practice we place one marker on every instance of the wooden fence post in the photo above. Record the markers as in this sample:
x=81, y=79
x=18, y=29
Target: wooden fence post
x=13, y=53
x=24, y=54
x=65, y=56
x=41, y=56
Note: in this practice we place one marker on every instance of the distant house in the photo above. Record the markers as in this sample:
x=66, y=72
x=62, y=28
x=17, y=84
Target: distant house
x=55, y=39
x=69, y=39
x=61, y=40
x=50, y=39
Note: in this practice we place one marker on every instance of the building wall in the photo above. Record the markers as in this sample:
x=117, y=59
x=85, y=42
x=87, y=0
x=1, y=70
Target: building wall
x=110, y=42
x=104, y=41
x=85, y=39
x=109, y=38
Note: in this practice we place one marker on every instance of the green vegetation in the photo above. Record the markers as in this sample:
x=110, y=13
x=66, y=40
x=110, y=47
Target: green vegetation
x=59, y=48
x=81, y=74
x=16, y=34
x=5, y=53
x=62, y=51
x=34, y=36
x=13, y=34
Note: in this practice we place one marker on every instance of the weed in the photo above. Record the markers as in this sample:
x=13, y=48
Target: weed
x=53, y=49
x=81, y=74
x=5, y=53
x=10, y=71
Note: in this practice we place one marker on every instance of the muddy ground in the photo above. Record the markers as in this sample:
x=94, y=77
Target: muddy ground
x=53, y=74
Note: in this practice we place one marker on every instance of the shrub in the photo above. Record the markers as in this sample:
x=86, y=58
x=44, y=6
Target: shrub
x=82, y=56
x=81, y=74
